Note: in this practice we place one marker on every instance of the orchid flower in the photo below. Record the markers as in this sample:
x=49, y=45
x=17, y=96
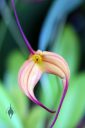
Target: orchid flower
x=38, y=63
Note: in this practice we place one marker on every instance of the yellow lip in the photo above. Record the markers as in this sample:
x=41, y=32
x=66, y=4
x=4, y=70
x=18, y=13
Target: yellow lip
x=37, y=58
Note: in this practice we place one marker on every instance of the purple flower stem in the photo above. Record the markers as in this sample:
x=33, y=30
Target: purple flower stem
x=41, y=105
x=61, y=101
x=21, y=31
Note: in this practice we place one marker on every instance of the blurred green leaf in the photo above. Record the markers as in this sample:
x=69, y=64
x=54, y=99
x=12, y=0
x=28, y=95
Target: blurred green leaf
x=11, y=25
x=5, y=102
x=36, y=118
x=74, y=104
x=14, y=62
x=68, y=47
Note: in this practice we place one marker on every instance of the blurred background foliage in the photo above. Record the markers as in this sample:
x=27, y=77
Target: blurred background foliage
x=53, y=25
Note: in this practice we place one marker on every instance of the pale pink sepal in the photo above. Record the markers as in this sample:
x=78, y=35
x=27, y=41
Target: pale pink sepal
x=28, y=77
x=56, y=64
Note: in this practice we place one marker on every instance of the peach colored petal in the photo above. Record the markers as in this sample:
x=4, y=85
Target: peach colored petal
x=33, y=78
x=53, y=69
x=23, y=73
x=58, y=61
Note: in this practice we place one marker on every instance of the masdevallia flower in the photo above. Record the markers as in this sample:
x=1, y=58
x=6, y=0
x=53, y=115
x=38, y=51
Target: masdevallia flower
x=38, y=63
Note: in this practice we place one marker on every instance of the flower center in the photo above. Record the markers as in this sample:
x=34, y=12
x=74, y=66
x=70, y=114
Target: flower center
x=37, y=58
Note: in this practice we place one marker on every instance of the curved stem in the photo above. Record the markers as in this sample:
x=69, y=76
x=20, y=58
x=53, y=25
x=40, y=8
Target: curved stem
x=41, y=105
x=61, y=101
x=21, y=31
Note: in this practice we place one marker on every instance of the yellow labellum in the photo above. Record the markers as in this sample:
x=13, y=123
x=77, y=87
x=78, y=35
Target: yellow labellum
x=37, y=58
